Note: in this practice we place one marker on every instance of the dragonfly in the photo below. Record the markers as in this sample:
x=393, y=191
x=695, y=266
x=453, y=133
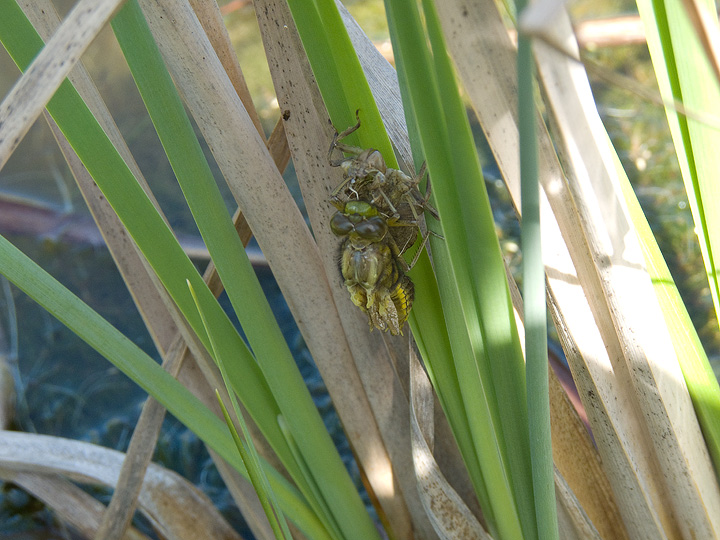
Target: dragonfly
x=371, y=265
x=378, y=219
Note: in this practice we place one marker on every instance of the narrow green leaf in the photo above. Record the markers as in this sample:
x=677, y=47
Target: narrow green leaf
x=536, y=342
x=267, y=499
x=699, y=377
x=248, y=452
x=692, y=82
x=322, y=508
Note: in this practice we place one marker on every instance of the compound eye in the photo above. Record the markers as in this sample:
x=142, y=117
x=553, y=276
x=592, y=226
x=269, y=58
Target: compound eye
x=340, y=224
x=373, y=228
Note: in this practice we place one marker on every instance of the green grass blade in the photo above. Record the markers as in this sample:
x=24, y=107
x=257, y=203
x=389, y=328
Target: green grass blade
x=322, y=509
x=248, y=452
x=684, y=74
x=137, y=365
x=428, y=319
x=267, y=500
x=536, y=342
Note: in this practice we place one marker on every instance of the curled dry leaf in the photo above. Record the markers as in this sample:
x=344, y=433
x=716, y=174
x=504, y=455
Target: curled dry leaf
x=70, y=503
x=176, y=508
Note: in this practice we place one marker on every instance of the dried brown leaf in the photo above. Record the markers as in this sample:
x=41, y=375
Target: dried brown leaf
x=176, y=508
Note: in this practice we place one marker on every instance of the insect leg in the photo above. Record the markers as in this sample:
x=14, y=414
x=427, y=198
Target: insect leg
x=351, y=129
x=345, y=148
x=423, y=201
x=419, y=251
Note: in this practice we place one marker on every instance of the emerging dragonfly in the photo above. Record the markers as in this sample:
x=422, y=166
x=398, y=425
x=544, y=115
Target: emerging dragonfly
x=372, y=267
x=378, y=211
